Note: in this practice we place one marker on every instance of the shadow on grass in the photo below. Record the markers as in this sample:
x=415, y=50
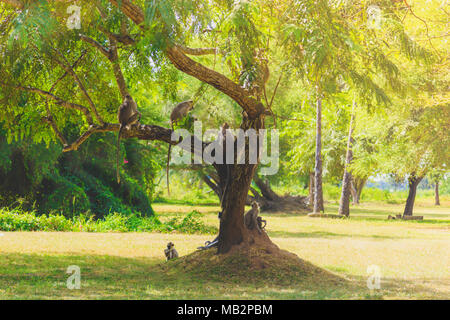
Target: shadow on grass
x=32, y=276
x=392, y=288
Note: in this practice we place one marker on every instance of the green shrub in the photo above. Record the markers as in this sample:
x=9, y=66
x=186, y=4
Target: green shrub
x=19, y=220
x=190, y=224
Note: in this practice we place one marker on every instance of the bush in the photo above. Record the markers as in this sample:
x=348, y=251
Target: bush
x=190, y=224
x=19, y=220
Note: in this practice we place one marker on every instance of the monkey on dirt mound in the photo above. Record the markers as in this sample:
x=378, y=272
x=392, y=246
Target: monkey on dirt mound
x=252, y=220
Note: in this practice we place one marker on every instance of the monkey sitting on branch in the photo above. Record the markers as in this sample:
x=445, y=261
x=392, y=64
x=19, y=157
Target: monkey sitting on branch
x=253, y=220
x=178, y=113
x=127, y=115
x=170, y=252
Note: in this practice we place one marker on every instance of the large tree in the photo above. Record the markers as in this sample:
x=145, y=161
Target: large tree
x=130, y=42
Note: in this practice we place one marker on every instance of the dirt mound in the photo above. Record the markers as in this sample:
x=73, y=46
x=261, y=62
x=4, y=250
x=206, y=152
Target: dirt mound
x=260, y=264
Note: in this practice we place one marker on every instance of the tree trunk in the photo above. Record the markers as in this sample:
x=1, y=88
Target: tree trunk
x=265, y=188
x=413, y=182
x=318, y=192
x=311, y=189
x=436, y=194
x=359, y=188
x=232, y=230
x=353, y=191
x=356, y=188
x=344, y=203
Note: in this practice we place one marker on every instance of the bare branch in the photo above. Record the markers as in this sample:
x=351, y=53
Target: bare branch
x=49, y=119
x=66, y=73
x=113, y=56
x=66, y=66
x=426, y=27
x=92, y=129
x=57, y=100
x=274, y=93
x=111, y=53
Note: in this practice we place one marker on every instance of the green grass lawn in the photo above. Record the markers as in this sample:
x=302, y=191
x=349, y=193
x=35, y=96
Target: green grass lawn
x=413, y=257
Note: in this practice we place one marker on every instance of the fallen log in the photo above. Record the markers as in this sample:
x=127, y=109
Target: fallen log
x=412, y=217
x=400, y=217
x=326, y=215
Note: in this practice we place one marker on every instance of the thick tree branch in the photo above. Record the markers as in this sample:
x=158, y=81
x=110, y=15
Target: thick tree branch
x=105, y=51
x=197, y=51
x=125, y=39
x=142, y=132
x=118, y=71
x=215, y=79
x=15, y=3
x=131, y=10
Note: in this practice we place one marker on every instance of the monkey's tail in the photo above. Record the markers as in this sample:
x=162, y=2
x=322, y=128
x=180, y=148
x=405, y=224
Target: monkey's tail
x=167, y=170
x=118, y=154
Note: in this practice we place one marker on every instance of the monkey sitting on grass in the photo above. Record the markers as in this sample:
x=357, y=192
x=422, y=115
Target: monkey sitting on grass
x=170, y=252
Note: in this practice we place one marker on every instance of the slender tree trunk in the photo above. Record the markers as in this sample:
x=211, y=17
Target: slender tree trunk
x=436, y=194
x=357, y=186
x=359, y=189
x=353, y=191
x=413, y=182
x=344, y=203
x=318, y=192
x=311, y=189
